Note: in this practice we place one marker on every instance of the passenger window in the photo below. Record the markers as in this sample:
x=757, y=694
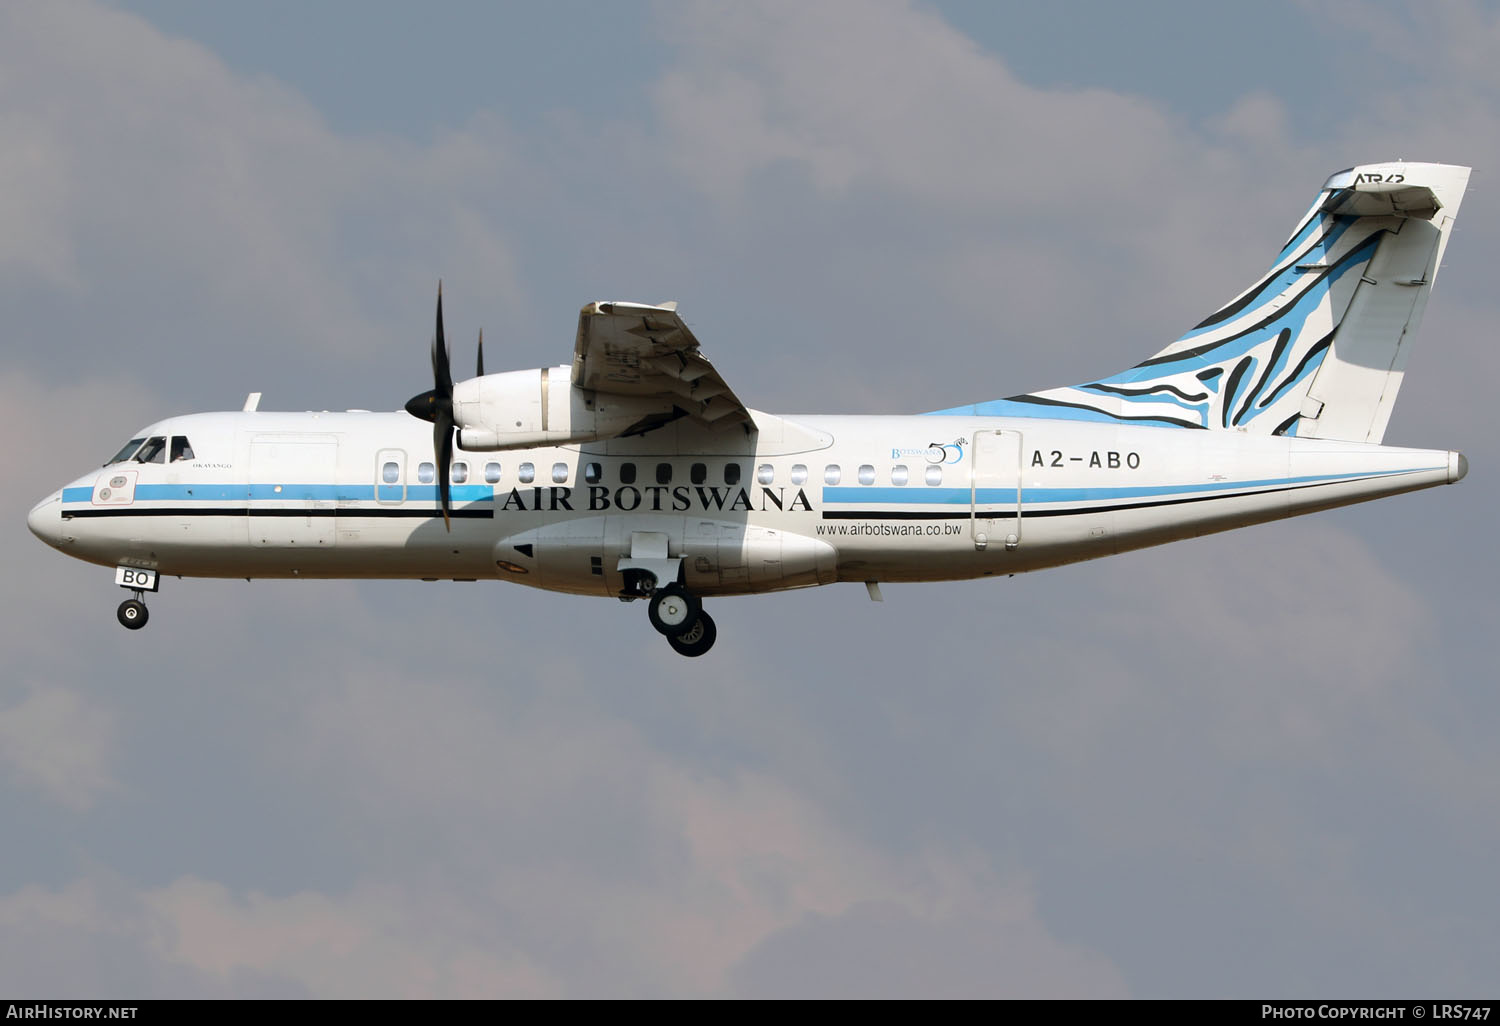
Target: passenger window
x=698, y=473
x=426, y=473
x=898, y=475
x=127, y=452
x=799, y=473
x=832, y=473
x=627, y=473
x=765, y=473
x=731, y=473
x=664, y=473
x=935, y=475
x=492, y=473
x=592, y=472
x=559, y=473
x=866, y=474
x=527, y=473
x=460, y=473
x=390, y=473
x=181, y=449
x=154, y=451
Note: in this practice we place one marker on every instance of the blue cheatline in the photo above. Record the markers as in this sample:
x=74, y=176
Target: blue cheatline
x=960, y=496
x=289, y=493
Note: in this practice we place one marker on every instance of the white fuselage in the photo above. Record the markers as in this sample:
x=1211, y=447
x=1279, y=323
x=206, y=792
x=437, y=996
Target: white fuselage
x=798, y=502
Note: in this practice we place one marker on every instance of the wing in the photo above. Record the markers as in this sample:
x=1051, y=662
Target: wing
x=631, y=349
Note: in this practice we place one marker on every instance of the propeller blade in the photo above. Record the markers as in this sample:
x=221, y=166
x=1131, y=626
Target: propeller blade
x=479, y=364
x=436, y=405
x=442, y=446
x=441, y=374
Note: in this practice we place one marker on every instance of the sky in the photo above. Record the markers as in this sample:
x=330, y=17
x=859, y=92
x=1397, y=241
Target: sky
x=1260, y=763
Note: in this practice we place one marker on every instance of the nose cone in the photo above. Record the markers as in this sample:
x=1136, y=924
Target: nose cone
x=45, y=520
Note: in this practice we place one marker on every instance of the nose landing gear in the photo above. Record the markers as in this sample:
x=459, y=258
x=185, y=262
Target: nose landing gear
x=132, y=613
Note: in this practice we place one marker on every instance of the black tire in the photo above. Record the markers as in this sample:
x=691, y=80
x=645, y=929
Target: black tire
x=698, y=640
x=673, y=610
x=132, y=614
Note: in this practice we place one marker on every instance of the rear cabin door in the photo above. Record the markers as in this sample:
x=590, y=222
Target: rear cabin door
x=995, y=490
x=293, y=484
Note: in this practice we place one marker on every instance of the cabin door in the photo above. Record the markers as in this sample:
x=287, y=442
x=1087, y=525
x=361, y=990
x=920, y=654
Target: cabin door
x=995, y=490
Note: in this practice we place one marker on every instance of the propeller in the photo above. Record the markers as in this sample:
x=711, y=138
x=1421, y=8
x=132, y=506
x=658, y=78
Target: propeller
x=436, y=405
x=479, y=364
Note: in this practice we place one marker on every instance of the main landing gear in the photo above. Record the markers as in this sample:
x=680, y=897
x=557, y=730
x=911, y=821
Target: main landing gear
x=675, y=612
x=678, y=615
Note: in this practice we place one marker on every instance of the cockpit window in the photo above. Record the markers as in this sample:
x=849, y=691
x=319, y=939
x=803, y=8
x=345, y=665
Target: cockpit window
x=182, y=449
x=128, y=451
x=154, y=451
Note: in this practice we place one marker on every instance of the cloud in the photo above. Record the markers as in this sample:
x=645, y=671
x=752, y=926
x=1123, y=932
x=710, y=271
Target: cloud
x=1028, y=229
x=176, y=216
x=885, y=951
x=335, y=947
x=97, y=936
x=59, y=743
x=1450, y=43
x=652, y=874
x=947, y=125
x=92, y=938
x=743, y=883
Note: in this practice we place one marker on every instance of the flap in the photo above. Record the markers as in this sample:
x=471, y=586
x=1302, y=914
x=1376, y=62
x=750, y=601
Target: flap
x=632, y=349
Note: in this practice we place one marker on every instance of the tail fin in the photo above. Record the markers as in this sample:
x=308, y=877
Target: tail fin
x=1317, y=347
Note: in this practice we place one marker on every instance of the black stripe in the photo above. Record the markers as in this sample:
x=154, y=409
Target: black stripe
x=1232, y=383
x=1349, y=258
x=1259, y=287
x=1085, y=510
x=1029, y=512
x=1282, y=341
x=1039, y=401
x=1316, y=348
x=966, y=514
x=354, y=513
x=1179, y=393
x=894, y=514
x=1314, y=212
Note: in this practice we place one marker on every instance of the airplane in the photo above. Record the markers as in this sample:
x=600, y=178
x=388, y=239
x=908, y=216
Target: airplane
x=637, y=473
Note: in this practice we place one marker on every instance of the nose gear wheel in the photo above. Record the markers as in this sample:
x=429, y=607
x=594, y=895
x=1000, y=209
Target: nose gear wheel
x=132, y=614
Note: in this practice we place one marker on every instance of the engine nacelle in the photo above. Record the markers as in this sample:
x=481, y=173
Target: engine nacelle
x=522, y=409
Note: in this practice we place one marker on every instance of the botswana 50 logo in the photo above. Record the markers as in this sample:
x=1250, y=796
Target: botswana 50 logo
x=936, y=452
